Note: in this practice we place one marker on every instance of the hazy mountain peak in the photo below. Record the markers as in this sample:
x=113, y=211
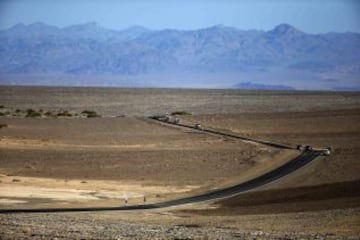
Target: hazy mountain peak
x=89, y=26
x=220, y=27
x=137, y=28
x=252, y=86
x=17, y=27
x=89, y=30
x=37, y=29
x=132, y=32
x=284, y=29
x=38, y=24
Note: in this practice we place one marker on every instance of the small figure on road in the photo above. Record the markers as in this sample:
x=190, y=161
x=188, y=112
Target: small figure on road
x=125, y=199
x=144, y=199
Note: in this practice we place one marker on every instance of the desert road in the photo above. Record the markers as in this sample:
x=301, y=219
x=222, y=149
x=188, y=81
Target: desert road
x=217, y=133
x=294, y=164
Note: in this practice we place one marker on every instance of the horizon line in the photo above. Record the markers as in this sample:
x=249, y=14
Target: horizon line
x=91, y=22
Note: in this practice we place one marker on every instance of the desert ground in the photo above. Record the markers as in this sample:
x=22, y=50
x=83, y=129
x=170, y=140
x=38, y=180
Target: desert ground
x=66, y=160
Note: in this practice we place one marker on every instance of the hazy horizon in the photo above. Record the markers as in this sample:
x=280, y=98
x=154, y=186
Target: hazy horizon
x=148, y=28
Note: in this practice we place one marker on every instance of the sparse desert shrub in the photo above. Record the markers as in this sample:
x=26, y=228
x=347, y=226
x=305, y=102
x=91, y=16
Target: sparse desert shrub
x=2, y=106
x=90, y=114
x=93, y=115
x=64, y=114
x=18, y=111
x=30, y=110
x=16, y=180
x=3, y=125
x=87, y=112
x=180, y=113
x=32, y=113
x=48, y=114
x=2, y=114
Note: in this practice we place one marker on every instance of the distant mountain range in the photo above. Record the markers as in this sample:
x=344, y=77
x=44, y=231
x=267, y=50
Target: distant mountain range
x=258, y=57
x=256, y=86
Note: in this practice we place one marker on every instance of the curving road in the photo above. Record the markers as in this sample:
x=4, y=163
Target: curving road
x=301, y=160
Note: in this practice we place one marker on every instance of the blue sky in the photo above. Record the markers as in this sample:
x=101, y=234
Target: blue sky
x=307, y=15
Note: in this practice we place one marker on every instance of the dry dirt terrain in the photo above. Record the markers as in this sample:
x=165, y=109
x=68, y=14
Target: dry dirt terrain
x=62, y=161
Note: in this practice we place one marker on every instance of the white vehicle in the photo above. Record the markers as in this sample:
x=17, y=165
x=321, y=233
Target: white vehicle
x=198, y=126
x=326, y=151
x=308, y=148
x=304, y=147
x=167, y=119
x=300, y=147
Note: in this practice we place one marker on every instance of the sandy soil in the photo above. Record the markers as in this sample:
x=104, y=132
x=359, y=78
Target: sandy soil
x=39, y=192
x=121, y=149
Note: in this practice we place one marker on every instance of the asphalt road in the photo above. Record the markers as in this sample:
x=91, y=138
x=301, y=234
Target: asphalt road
x=301, y=160
x=238, y=137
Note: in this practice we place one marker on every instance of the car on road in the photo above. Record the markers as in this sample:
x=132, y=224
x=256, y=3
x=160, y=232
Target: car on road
x=300, y=147
x=327, y=151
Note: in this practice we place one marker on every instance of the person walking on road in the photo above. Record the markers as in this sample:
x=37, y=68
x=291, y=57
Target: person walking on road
x=125, y=199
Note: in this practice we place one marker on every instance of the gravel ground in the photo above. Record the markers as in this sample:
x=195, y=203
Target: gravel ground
x=273, y=118
x=145, y=102
x=64, y=226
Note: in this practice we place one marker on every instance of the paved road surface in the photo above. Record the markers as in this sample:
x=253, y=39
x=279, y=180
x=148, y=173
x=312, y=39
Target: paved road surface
x=301, y=160
x=238, y=137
